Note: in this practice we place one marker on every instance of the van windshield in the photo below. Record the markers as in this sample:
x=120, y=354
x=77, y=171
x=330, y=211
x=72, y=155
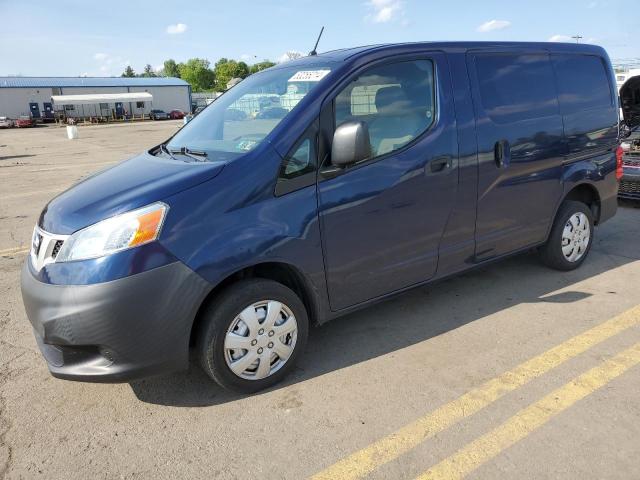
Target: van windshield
x=240, y=119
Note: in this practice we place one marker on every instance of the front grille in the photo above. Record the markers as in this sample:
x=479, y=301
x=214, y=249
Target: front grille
x=45, y=247
x=631, y=162
x=629, y=187
x=56, y=248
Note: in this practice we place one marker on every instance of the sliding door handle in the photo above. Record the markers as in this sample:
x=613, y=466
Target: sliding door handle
x=502, y=153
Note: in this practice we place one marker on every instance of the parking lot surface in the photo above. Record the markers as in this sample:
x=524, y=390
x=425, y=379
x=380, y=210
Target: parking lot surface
x=510, y=371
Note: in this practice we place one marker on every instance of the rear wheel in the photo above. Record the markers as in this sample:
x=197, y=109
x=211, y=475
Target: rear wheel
x=252, y=335
x=570, y=238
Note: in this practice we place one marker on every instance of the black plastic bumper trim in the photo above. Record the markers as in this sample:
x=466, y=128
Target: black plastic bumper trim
x=116, y=331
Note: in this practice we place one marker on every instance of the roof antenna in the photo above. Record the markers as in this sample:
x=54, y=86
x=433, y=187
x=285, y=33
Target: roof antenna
x=313, y=52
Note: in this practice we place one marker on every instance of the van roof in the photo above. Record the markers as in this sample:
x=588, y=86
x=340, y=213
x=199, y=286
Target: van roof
x=347, y=53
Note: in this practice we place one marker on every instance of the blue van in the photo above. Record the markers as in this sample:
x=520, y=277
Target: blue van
x=318, y=187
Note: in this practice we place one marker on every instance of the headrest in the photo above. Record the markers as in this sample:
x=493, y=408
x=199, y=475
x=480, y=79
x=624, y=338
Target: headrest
x=391, y=100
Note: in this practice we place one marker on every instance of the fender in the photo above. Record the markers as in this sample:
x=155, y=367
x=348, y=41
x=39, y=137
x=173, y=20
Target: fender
x=598, y=174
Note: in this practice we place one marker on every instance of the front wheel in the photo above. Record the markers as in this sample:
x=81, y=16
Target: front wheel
x=252, y=335
x=571, y=237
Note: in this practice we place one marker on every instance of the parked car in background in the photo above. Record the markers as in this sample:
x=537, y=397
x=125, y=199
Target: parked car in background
x=272, y=113
x=234, y=114
x=630, y=103
x=630, y=106
x=398, y=165
x=630, y=182
x=6, y=122
x=176, y=114
x=158, y=115
x=24, y=121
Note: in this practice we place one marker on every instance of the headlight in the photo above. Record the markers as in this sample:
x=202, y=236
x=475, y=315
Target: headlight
x=114, y=234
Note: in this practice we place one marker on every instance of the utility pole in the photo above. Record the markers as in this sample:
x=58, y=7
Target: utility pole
x=577, y=38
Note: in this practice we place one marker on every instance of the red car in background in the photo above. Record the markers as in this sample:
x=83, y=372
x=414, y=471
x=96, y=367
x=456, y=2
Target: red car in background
x=24, y=121
x=176, y=114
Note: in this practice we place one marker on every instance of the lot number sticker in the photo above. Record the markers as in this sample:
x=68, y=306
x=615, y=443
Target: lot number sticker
x=309, y=76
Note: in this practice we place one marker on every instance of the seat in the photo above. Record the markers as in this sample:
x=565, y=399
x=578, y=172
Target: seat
x=397, y=121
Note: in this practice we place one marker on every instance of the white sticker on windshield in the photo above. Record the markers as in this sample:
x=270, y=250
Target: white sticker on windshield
x=309, y=76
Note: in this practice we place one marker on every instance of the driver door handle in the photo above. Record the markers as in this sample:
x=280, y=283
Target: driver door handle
x=440, y=164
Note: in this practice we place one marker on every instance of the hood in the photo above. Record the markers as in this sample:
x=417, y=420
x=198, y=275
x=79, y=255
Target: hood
x=630, y=102
x=131, y=184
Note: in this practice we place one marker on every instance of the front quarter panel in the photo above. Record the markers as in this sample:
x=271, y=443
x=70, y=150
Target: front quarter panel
x=235, y=221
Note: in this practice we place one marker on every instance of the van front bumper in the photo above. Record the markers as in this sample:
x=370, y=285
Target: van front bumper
x=115, y=331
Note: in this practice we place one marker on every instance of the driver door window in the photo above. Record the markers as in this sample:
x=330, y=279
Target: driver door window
x=395, y=100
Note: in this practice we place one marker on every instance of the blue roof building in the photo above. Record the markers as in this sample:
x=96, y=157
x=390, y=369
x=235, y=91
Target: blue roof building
x=32, y=95
x=61, y=82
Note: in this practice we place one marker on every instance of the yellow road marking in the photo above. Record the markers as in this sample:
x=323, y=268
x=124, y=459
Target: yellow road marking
x=361, y=463
x=531, y=418
x=51, y=167
x=11, y=251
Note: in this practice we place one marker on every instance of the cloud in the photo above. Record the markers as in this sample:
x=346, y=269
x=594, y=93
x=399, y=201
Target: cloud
x=493, y=25
x=176, y=29
x=109, y=64
x=560, y=38
x=383, y=11
x=107, y=58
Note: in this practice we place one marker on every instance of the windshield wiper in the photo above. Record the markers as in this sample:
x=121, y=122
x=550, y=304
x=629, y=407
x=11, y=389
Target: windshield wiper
x=197, y=155
x=163, y=148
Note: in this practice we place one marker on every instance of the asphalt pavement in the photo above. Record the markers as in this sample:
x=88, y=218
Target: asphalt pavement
x=510, y=371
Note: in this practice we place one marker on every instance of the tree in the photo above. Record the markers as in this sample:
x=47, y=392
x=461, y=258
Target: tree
x=291, y=55
x=171, y=68
x=257, y=67
x=148, y=71
x=196, y=71
x=226, y=69
x=128, y=72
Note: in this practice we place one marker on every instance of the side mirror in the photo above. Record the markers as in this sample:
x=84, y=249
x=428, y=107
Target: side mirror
x=351, y=144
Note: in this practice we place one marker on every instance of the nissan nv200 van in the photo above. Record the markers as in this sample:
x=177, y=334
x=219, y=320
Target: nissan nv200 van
x=318, y=187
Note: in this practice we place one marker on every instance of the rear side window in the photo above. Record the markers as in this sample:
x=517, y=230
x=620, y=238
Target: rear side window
x=396, y=101
x=516, y=87
x=582, y=82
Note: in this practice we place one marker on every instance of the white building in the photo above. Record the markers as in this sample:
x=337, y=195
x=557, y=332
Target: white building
x=622, y=77
x=202, y=99
x=32, y=96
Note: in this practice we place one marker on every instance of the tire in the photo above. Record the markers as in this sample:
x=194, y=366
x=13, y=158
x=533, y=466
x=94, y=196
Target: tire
x=567, y=222
x=239, y=300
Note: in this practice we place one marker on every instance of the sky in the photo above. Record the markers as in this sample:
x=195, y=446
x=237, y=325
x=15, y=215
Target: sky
x=80, y=37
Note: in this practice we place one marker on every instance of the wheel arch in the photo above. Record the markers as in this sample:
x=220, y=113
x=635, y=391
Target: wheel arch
x=281, y=272
x=587, y=194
